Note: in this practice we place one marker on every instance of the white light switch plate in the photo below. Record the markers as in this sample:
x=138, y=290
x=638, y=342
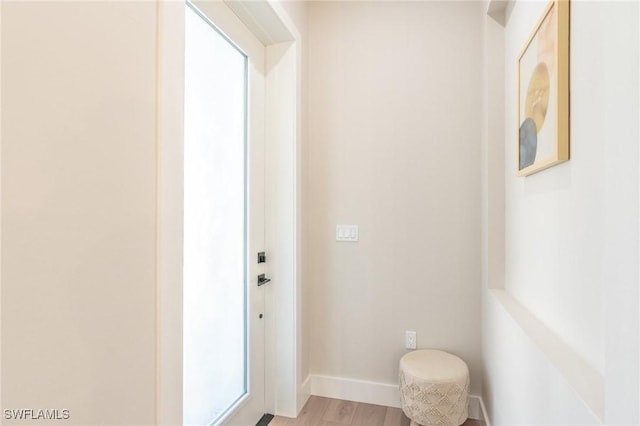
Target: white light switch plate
x=347, y=233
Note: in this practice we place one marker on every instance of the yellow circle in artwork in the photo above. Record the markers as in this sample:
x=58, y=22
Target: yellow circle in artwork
x=537, y=101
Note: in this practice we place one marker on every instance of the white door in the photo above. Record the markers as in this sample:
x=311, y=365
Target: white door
x=223, y=331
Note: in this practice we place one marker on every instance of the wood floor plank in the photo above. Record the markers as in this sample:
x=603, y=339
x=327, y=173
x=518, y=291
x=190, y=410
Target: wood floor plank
x=321, y=411
x=281, y=421
x=369, y=415
x=395, y=417
x=340, y=412
x=312, y=412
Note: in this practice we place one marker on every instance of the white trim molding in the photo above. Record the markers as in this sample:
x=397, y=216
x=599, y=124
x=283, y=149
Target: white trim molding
x=377, y=393
x=477, y=410
x=355, y=390
x=169, y=174
x=584, y=378
x=305, y=393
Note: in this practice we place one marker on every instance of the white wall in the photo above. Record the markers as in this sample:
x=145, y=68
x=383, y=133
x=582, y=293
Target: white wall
x=554, y=220
x=78, y=209
x=394, y=146
x=571, y=232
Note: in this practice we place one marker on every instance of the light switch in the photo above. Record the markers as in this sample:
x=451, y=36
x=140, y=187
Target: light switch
x=347, y=233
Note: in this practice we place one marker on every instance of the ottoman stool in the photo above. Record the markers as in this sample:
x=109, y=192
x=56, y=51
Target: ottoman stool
x=434, y=388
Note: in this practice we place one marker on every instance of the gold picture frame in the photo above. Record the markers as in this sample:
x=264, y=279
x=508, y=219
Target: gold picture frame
x=543, y=92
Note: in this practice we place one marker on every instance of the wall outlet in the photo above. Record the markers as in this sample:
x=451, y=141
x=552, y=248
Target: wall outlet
x=410, y=339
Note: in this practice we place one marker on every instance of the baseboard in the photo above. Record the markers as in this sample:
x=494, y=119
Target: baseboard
x=485, y=416
x=305, y=393
x=477, y=411
x=306, y=386
x=355, y=390
x=376, y=393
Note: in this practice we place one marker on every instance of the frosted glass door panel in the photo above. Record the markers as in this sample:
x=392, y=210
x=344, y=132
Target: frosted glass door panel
x=214, y=376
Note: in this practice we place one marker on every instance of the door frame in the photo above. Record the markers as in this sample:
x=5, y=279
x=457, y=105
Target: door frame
x=284, y=388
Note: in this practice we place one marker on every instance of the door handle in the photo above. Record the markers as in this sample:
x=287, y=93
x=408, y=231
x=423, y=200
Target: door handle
x=262, y=280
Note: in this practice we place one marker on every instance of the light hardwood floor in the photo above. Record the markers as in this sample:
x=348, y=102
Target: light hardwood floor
x=321, y=411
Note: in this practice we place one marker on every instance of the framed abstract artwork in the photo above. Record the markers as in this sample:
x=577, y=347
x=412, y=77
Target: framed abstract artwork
x=543, y=92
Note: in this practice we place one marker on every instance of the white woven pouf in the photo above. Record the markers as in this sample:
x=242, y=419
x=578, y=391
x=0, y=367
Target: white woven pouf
x=434, y=388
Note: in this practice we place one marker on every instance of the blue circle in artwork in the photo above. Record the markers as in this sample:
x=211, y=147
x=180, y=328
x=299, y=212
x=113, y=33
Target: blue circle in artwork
x=528, y=143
